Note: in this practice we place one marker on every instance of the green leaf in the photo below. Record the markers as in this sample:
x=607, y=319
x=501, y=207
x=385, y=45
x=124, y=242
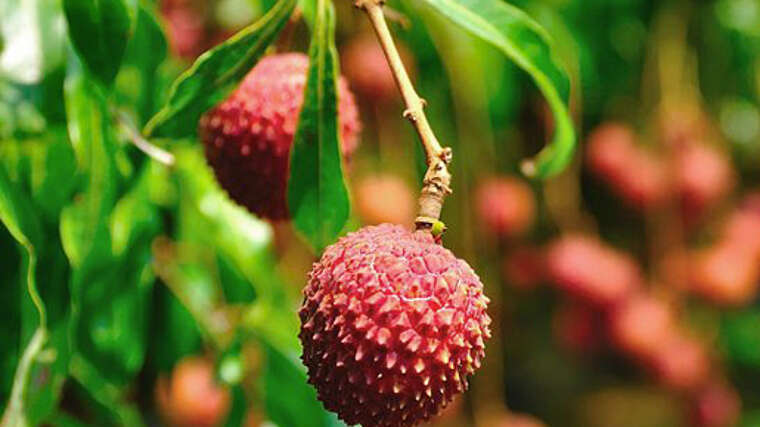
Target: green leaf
x=99, y=31
x=19, y=218
x=317, y=195
x=289, y=399
x=527, y=44
x=215, y=73
x=33, y=39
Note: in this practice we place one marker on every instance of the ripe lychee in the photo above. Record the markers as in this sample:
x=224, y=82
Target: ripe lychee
x=591, y=271
x=524, y=267
x=192, y=397
x=632, y=173
x=384, y=198
x=186, y=27
x=367, y=69
x=641, y=324
x=505, y=206
x=392, y=325
x=681, y=363
x=726, y=274
x=248, y=136
x=703, y=176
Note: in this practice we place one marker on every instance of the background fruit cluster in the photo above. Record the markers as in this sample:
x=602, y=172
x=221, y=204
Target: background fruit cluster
x=136, y=291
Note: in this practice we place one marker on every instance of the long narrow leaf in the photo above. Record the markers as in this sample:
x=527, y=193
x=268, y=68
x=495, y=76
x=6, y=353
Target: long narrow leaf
x=317, y=195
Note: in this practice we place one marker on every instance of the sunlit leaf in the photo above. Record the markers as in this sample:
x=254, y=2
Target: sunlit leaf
x=526, y=43
x=215, y=73
x=317, y=195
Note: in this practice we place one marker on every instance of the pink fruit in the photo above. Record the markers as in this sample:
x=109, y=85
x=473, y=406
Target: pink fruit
x=641, y=324
x=248, y=136
x=681, y=363
x=367, y=70
x=392, y=324
x=591, y=271
x=505, y=206
x=703, y=176
x=384, y=198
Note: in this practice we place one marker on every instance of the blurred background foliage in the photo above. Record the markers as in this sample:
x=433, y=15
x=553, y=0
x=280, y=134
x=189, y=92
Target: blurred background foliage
x=133, y=270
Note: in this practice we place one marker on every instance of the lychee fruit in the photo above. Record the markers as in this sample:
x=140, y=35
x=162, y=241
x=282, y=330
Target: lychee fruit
x=505, y=206
x=392, y=326
x=248, y=137
x=574, y=327
x=367, y=69
x=681, y=363
x=186, y=27
x=632, y=173
x=716, y=405
x=726, y=274
x=524, y=267
x=641, y=324
x=703, y=174
x=384, y=198
x=587, y=269
x=192, y=397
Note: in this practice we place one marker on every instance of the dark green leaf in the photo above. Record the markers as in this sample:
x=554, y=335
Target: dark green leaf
x=317, y=195
x=215, y=74
x=99, y=31
x=18, y=216
x=289, y=399
x=526, y=43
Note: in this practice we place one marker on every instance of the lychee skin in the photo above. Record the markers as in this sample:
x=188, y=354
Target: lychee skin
x=392, y=324
x=248, y=136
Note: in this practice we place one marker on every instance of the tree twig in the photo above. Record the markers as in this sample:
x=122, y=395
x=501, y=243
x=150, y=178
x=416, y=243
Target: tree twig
x=437, y=181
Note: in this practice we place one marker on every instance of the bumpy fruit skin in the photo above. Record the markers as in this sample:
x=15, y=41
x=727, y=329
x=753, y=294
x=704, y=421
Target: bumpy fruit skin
x=392, y=324
x=505, y=205
x=248, y=137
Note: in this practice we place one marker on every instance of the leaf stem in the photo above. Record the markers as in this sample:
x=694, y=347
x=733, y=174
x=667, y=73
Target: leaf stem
x=139, y=141
x=436, y=184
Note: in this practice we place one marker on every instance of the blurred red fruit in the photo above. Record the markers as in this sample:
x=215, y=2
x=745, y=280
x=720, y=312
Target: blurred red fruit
x=681, y=363
x=524, y=267
x=726, y=274
x=505, y=206
x=192, y=397
x=742, y=230
x=384, y=198
x=717, y=405
x=703, y=176
x=367, y=70
x=634, y=174
x=641, y=324
x=186, y=27
x=591, y=271
x=574, y=327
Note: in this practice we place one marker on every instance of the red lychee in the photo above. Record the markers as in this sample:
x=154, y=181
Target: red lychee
x=716, y=405
x=505, y=205
x=573, y=326
x=633, y=173
x=186, y=26
x=641, y=324
x=726, y=274
x=524, y=267
x=248, y=136
x=591, y=271
x=681, y=363
x=367, y=69
x=392, y=325
x=384, y=198
x=192, y=397
x=703, y=176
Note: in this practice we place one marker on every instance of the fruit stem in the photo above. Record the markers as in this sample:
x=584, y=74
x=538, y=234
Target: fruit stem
x=437, y=180
x=135, y=137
